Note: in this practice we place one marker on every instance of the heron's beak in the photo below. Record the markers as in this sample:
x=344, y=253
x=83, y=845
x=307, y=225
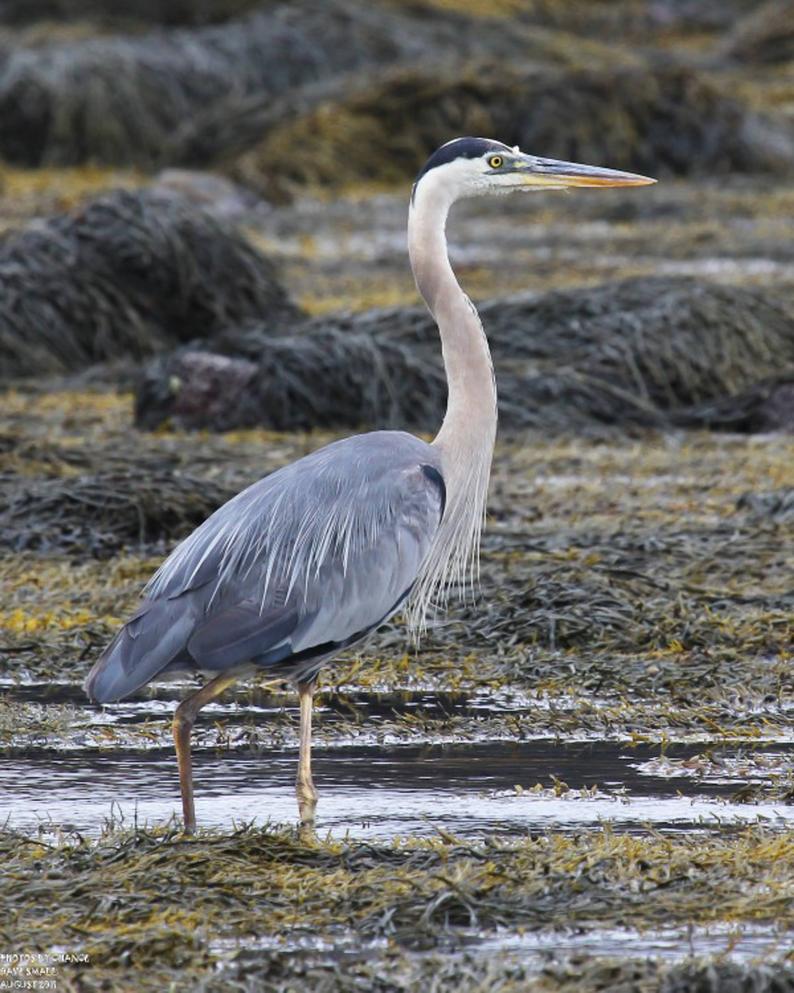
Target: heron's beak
x=553, y=174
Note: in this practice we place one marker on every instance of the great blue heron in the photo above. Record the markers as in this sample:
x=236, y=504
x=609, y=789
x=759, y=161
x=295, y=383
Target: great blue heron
x=312, y=558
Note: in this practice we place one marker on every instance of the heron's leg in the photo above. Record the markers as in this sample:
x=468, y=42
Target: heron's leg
x=304, y=787
x=184, y=717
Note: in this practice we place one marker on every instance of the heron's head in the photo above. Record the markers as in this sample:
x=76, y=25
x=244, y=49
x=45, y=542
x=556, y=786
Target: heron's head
x=469, y=167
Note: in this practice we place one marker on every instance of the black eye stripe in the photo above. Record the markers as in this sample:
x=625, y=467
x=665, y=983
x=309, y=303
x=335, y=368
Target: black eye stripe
x=461, y=148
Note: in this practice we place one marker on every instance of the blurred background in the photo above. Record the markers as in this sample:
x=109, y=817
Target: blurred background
x=203, y=275
x=228, y=174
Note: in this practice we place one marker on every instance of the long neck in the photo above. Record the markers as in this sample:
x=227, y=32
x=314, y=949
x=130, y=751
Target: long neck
x=465, y=441
x=471, y=400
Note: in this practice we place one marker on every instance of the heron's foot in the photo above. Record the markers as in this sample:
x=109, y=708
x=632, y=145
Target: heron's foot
x=307, y=801
x=307, y=834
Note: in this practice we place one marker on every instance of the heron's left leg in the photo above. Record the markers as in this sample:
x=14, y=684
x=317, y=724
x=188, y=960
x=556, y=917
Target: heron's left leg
x=304, y=787
x=184, y=717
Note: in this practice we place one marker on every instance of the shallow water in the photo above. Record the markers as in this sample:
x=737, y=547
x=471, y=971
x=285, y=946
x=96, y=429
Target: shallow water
x=536, y=949
x=117, y=763
x=743, y=943
x=380, y=792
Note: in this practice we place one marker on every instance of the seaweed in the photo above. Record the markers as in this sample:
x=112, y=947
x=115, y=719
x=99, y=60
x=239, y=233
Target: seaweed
x=98, y=515
x=475, y=972
x=127, y=274
x=666, y=120
x=636, y=575
x=327, y=379
x=127, y=99
x=643, y=352
x=621, y=566
x=775, y=505
x=620, y=572
x=765, y=36
x=165, y=906
x=117, y=13
x=627, y=19
x=302, y=76
x=120, y=99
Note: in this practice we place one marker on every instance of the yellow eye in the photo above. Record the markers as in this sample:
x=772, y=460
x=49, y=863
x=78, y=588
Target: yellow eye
x=495, y=161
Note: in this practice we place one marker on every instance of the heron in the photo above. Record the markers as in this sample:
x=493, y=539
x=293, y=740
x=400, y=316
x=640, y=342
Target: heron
x=312, y=558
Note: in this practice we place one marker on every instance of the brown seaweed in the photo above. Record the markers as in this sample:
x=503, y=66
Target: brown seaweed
x=119, y=13
x=660, y=121
x=98, y=515
x=764, y=36
x=651, y=351
x=164, y=907
x=126, y=99
x=128, y=274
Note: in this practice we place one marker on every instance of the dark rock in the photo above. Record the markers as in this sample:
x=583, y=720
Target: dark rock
x=327, y=379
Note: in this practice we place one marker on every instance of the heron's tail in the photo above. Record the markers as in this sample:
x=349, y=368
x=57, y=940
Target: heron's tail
x=154, y=639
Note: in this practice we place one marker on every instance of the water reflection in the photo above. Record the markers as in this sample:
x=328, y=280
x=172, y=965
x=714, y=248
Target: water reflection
x=381, y=792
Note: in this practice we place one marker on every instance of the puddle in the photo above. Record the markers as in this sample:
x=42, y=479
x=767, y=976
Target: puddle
x=741, y=943
x=404, y=762
x=381, y=792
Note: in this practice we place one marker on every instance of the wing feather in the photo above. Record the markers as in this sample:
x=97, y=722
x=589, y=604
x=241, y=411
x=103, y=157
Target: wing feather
x=312, y=556
x=235, y=635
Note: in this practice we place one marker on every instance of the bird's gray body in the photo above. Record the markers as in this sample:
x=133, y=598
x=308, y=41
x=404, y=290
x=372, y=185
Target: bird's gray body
x=298, y=566
x=312, y=558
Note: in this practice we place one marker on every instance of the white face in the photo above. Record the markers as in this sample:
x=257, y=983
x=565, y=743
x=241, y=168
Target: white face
x=487, y=175
x=511, y=170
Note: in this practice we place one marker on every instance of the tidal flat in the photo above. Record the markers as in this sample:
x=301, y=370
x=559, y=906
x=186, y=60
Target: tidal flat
x=580, y=780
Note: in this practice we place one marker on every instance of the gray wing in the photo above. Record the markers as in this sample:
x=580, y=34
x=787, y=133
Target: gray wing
x=302, y=563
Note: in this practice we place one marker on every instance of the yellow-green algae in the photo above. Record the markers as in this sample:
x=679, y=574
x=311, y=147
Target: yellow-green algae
x=619, y=571
x=167, y=906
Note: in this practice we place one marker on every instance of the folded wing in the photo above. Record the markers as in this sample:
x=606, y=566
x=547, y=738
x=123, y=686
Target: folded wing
x=291, y=570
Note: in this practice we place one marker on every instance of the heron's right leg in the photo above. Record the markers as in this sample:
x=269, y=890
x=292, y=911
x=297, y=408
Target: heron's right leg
x=304, y=785
x=184, y=717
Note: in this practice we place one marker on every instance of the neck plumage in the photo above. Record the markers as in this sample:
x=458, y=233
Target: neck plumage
x=465, y=441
